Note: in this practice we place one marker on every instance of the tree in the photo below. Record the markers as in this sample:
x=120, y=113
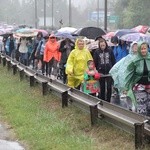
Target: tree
x=120, y=7
x=137, y=13
x=132, y=13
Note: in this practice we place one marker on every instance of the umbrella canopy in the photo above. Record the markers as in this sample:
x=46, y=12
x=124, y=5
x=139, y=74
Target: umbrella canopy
x=109, y=35
x=2, y=31
x=44, y=32
x=90, y=32
x=26, y=32
x=67, y=30
x=64, y=35
x=141, y=28
x=94, y=45
x=135, y=37
x=122, y=32
x=148, y=31
x=5, y=32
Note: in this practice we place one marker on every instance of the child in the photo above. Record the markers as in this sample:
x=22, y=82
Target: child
x=91, y=79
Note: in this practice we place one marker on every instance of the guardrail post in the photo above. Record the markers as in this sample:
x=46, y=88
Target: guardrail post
x=31, y=80
x=21, y=74
x=0, y=59
x=94, y=114
x=4, y=61
x=64, y=99
x=44, y=88
x=139, y=135
x=8, y=65
x=14, y=69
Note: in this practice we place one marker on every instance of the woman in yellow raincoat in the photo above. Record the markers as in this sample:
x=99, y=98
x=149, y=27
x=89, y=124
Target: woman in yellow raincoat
x=77, y=64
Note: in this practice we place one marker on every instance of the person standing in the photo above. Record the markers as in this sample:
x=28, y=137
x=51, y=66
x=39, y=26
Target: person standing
x=66, y=46
x=121, y=50
x=40, y=54
x=104, y=60
x=52, y=56
x=77, y=64
x=11, y=46
x=23, y=50
x=90, y=84
x=137, y=81
x=118, y=70
x=36, y=42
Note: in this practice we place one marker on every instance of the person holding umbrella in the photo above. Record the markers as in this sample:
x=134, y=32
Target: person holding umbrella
x=23, y=50
x=11, y=46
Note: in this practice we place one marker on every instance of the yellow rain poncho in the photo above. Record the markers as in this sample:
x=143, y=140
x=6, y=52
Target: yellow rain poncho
x=76, y=65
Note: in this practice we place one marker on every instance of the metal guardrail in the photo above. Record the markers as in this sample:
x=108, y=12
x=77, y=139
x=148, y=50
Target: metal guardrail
x=99, y=110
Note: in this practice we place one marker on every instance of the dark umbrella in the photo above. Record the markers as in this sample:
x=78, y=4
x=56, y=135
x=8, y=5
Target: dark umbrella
x=90, y=32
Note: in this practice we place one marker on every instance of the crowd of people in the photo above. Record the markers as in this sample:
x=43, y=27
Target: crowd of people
x=122, y=69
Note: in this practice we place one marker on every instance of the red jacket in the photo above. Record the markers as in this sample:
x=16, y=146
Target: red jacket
x=52, y=50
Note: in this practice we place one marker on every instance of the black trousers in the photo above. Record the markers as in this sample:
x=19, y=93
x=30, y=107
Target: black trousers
x=63, y=73
x=105, y=88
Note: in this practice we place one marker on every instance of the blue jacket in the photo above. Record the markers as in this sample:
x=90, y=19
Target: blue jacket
x=120, y=52
x=7, y=46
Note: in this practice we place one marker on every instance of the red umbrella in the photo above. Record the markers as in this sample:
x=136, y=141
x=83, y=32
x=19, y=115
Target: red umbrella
x=141, y=28
x=109, y=35
x=44, y=32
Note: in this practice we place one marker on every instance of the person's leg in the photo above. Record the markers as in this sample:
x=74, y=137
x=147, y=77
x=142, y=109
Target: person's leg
x=55, y=68
x=43, y=64
x=46, y=67
x=21, y=58
x=78, y=84
x=13, y=54
x=50, y=64
x=70, y=81
x=109, y=88
x=141, y=99
x=64, y=74
x=25, y=59
x=9, y=53
x=102, y=89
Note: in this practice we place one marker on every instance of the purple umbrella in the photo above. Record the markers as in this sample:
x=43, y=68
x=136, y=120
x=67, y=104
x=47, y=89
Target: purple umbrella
x=64, y=35
x=135, y=37
x=2, y=31
x=122, y=32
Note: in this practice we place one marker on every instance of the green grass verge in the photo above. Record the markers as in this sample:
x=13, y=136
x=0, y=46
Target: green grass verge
x=42, y=124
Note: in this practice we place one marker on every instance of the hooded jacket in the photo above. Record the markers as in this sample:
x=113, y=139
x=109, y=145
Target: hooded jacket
x=77, y=62
x=120, y=51
x=104, y=59
x=135, y=72
x=118, y=70
x=51, y=50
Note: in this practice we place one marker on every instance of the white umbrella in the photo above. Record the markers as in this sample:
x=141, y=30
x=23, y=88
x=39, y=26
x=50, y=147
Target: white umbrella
x=67, y=30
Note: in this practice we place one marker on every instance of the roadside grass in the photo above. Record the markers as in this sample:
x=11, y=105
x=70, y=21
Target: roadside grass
x=41, y=124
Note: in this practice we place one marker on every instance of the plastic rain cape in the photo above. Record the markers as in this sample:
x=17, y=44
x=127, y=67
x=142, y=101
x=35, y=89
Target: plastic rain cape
x=118, y=71
x=77, y=62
